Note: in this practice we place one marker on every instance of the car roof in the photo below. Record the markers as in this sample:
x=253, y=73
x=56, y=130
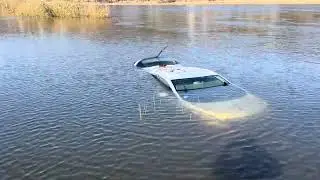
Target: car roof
x=181, y=72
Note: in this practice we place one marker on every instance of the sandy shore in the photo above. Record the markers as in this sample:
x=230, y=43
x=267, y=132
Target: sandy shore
x=206, y=2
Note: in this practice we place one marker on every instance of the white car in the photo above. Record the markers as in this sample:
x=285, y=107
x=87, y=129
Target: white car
x=203, y=90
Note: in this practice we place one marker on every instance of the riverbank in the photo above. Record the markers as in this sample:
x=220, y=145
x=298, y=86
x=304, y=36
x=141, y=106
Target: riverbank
x=209, y=2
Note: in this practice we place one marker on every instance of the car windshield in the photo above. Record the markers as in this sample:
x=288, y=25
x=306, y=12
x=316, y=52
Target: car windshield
x=199, y=83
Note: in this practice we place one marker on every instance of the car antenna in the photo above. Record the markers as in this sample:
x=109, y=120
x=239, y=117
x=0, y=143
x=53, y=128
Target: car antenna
x=154, y=57
x=161, y=51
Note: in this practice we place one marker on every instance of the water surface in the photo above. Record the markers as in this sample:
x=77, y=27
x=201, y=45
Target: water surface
x=72, y=106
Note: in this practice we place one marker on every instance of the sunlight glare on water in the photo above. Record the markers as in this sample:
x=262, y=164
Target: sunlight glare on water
x=163, y=94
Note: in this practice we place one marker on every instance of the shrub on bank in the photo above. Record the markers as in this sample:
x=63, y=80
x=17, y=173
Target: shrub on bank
x=63, y=9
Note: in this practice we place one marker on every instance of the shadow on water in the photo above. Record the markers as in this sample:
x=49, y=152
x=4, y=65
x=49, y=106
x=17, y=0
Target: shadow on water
x=245, y=159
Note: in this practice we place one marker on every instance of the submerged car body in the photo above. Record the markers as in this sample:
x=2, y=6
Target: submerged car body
x=203, y=90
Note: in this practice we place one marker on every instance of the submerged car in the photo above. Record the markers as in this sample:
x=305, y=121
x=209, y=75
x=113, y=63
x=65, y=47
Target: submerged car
x=203, y=90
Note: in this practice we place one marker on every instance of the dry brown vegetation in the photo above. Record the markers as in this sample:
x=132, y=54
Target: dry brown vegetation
x=54, y=8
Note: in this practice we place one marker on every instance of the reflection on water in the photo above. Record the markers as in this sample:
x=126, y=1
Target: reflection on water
x=74, y=107
x=60, y=26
